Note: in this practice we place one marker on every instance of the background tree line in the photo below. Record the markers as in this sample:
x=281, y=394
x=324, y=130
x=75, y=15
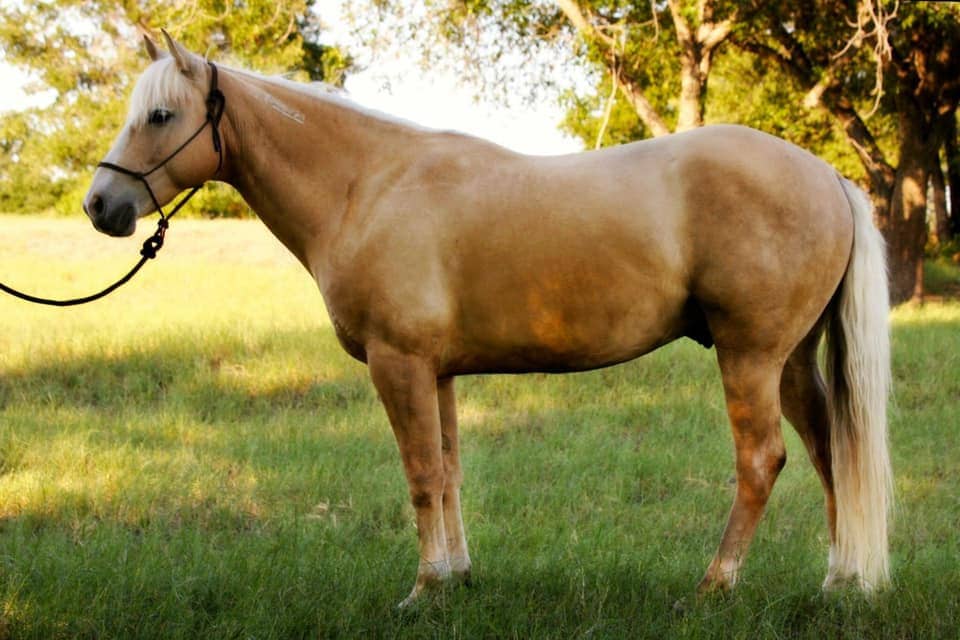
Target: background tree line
x=90, y=52
x=872, y=86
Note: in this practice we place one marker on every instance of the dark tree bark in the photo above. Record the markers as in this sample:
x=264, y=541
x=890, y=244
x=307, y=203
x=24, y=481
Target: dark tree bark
x=904, y=222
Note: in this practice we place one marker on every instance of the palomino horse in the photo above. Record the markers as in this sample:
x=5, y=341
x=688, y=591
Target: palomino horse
x=440, y=255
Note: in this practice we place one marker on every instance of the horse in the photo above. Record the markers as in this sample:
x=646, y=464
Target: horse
x=439, y=254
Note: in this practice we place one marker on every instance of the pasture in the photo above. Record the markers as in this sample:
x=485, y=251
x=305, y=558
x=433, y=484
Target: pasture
x=196, y=457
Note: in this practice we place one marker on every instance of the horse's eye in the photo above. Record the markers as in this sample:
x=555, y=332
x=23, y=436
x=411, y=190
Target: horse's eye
x=160, y=117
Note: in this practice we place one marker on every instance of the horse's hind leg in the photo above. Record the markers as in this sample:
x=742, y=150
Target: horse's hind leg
x=751, y=385
x=453, y=478
x=804, y=400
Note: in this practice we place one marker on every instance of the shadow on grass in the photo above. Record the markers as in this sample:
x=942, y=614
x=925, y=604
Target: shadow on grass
x=239, y=432
x=193, y=375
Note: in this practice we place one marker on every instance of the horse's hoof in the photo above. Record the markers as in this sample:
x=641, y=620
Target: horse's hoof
x=434, y=584
x=710, y=588
x=462, y=577
x=408, y=603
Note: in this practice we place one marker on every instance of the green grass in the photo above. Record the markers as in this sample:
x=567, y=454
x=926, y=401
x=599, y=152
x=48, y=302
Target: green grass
x=942, y=274
x=195, y=457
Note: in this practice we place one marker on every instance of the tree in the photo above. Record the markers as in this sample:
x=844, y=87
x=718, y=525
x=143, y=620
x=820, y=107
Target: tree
x=915, y=53
x=951, y=153
x=618, y=34
x=654, y=56
x=90, y=52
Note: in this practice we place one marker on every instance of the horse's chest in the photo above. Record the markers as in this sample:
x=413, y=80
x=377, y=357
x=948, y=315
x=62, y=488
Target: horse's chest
x=348, y=338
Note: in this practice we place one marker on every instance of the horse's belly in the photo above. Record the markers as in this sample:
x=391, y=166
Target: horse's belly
x=532, y=328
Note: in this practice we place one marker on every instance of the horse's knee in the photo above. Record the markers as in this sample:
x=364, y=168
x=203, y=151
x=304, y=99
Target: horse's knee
x=426, y=490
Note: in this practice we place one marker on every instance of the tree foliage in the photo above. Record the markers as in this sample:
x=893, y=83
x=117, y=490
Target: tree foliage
x=656, y=56
x=89, y=53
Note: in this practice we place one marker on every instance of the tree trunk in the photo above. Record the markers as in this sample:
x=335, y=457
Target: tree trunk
x=690, y=111
x=904, y=223
x=941, y=221
x=697, y=44
x=690, y=107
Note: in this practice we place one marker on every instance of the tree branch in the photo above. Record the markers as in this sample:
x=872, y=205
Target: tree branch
x=712, y=34
x=572, y=11
x=823, y=90
x=646, y=111
x=684, y=35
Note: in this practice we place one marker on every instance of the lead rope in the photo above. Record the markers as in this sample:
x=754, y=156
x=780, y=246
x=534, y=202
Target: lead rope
x=216, y=102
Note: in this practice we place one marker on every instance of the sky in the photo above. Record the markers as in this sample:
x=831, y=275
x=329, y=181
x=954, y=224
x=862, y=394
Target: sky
x=13, y=95
x=439, y=102
x=436, y=100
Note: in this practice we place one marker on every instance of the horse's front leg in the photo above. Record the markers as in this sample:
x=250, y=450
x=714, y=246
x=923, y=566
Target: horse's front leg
x=453, y=478
x=407, y=386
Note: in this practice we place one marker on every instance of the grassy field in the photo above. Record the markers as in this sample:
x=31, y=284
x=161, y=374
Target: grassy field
x=195, y=457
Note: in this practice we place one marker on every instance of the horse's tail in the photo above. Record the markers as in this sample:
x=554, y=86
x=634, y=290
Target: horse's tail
x=858, y=374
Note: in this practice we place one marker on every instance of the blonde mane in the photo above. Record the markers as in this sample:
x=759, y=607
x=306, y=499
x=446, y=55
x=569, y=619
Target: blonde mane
x=161, y=86
x=327, y=92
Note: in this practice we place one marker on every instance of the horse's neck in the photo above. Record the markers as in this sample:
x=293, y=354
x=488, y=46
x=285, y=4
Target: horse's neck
x=294, y=156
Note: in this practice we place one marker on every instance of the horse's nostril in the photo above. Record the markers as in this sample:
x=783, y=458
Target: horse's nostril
x=96, y=205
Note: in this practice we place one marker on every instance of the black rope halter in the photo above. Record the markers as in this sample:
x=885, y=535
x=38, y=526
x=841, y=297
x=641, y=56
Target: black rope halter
x=215, y=102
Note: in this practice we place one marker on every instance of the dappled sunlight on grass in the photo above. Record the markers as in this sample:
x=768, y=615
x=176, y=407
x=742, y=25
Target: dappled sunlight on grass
x=78, y=473
x=928, y=313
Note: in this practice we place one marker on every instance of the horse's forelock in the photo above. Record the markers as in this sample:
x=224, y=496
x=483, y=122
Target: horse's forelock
x=161, y=86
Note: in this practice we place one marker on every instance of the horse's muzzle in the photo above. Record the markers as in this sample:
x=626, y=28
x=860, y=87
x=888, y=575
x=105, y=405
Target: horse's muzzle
x=114, y=219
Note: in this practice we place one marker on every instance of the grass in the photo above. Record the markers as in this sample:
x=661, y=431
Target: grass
x=942, y=274
x=195, y=457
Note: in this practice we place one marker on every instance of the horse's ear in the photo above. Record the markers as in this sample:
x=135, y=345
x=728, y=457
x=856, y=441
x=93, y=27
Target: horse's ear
x=152, y=50
x=188, y=62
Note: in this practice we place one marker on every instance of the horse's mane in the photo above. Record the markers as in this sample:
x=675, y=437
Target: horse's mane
x=163, y=86
x=160, y=86
x=328, y=93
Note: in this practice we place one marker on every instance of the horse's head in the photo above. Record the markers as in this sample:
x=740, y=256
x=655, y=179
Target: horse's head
x=162, y=148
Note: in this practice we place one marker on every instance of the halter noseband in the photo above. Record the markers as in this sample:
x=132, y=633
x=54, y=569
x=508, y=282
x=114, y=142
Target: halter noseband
x=216, y=102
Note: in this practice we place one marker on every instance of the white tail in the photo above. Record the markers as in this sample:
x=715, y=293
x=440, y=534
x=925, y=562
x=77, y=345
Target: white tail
x=858, y=374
